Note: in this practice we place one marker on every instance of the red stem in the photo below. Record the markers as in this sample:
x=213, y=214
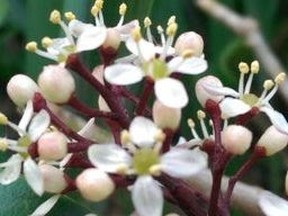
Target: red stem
x=148, y=89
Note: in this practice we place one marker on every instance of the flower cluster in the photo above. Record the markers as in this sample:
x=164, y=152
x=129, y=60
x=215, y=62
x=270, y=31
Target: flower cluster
x=139, y=152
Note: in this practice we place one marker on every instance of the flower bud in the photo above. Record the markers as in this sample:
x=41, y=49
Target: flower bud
x=98, y=73
x=54, y=180
x=166, y=117
x=21, y=88
x=189, y=41
x=202, y=91
x=236, y=139
x=103, y=106
x=272, y=141
x=286, y=183
x=52, y=146
x=56, y=83
x=94, y=184
x=112, y=39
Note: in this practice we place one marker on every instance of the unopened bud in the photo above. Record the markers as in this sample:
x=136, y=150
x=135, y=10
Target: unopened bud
x=112, y=39
x=189, y=41
x=273, y=141
x=202, y=92
x=94, y=184
x=166, y=117
x=54, y=179
x=236, y=139
x=21, y=89
x=56, y=83
x=52, y=146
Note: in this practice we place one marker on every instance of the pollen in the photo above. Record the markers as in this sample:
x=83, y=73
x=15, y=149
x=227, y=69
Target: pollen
x=99, y=4
x=122, y=169
x=70, y=16
x=55, y=17
x=187, y=53
x=125, y=137
x=243, y=67
x=122, y=9
x=171, y=29
x=95, y=10
x=191, y=123
x=171, y=20
x=280, y=78
x=268, y=84
x=147, y=22
x=255, y=67
x=46, y=42
x=136, y=34
x=31, y=46
x=201, y=114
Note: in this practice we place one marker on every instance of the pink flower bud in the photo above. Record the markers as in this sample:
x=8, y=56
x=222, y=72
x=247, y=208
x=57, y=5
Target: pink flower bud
x=273, y=141
x=236, y=139
x=52, y=146
x=166, y=117
x=189, y=41
x=112, y=39
x=56, y=83
x=202, y=94
x=94, y=184
x=54, y=180
x=21, y=88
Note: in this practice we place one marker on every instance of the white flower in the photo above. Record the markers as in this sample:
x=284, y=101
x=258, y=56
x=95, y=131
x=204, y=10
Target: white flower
x=144, y=142
x=272, y=205
x=242, y=101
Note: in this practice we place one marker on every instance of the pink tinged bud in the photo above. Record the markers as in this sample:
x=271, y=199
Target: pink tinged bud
x=56, y=83
x=236, y=139
x=54, y=179
x=166, y=117
x=52, y=146
x=189, y=41
x=94, y=184
x=286, y=183
x=272, y=141
x=201, y=92
x=21, y=88
x=112, y=39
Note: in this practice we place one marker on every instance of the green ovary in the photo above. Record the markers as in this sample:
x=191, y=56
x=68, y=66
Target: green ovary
x=250, y=99
x=24, y=141
x=143, y=159
x=156, y=68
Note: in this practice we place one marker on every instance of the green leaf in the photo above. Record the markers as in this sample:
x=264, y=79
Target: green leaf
x=4, y=6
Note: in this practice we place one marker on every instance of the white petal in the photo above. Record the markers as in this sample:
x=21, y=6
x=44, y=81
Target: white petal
x=147, y=49
x=231, y=107
x=33, y=176
x=142, y=132
x=123, y=74
x=91, y=38
x=27, y=115
x=277, y=119
x=171, y=93
x=272, y=205
x=12, y=169
x=87, y=127
x=190, y=66
x=220, y=90
x=183, y=163
x=160, y=50
x=108, y=157
x=77, y=27
x=125, y=30
x=58, y=46
x=191, y=143
x=147, y=197
x=45, y=207
x=38, y=125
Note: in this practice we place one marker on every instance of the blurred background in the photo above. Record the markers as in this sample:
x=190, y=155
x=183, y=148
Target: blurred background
x=25, y=20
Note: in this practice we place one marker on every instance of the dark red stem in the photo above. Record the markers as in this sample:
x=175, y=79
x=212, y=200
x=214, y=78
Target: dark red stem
x=148, y=89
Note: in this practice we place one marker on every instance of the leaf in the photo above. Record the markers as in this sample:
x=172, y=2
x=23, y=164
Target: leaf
x=4, y=6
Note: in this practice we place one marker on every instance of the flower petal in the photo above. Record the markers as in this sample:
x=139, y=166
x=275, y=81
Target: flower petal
x=12, y=169
x=77, y=27
x=27, y=115
x=147, y=196
x=39, y=123
x=277, y=119
x=45, y=207
x=87, y=128
x=123, y=74
x=91, y=38
x=58, y=46
x=183, y=163
x=231, y=107
x=147, y=49
x=171, y=92
x=272, y=205
x=125, y=30
x=220, y=90
x=190, y=66
x=33, y=176
x=142, y=132
x=190, y=144
x=108, y=157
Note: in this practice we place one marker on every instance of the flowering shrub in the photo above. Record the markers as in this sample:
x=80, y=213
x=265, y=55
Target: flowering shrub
x=142, y=154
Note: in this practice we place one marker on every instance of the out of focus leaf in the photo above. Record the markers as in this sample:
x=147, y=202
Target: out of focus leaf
x=4, y=6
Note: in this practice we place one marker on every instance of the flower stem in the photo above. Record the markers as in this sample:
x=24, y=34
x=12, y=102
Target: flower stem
x=148, y=89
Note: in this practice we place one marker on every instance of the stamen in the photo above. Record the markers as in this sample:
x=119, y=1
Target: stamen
x=31, y=46
x=171, y=20
x=136, y=35
x=201, y=115
x=3, y=145
x=67, y=32
x=122, y=12
x=70, y=16
x=161, y=33
x=244, y=69
x=3, y=119
x=187, y=53
x=46, y=42
x=254, y=70
x=95, y=11
x=155, y=170
x=268, y=85
x=255, y=67
x=126, y=141
x=122, y=169
x=191, y=124
x=280, y=78
x=170, y=32
x=147, y=24
x=55, y=17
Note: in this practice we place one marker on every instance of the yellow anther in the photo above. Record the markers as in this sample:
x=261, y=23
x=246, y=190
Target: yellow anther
x=122, y=169
x=255, y=67
x=147, y=22
x=171, y=20
x=3, y=119
x=46, y=42
x=160, y=29
x=95, y=10
x=160, y=136
x=191, y=123
x=31, y=46
x=268, y=84
x=280, y=78
x=201, y=114
x=155, y=170
x=187, y=53
x=136, y=34
x=99, y=4
x=3, y=145
x=122, y=9
x=55, y=17
x=125, y=137
x=243, y=67
x=70, y=16
x=171, y=29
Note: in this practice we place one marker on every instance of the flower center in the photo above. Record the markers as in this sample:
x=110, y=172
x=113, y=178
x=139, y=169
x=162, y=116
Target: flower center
x=24, y=141
x=143, y=159
x=156, y=68
x=250, y=99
